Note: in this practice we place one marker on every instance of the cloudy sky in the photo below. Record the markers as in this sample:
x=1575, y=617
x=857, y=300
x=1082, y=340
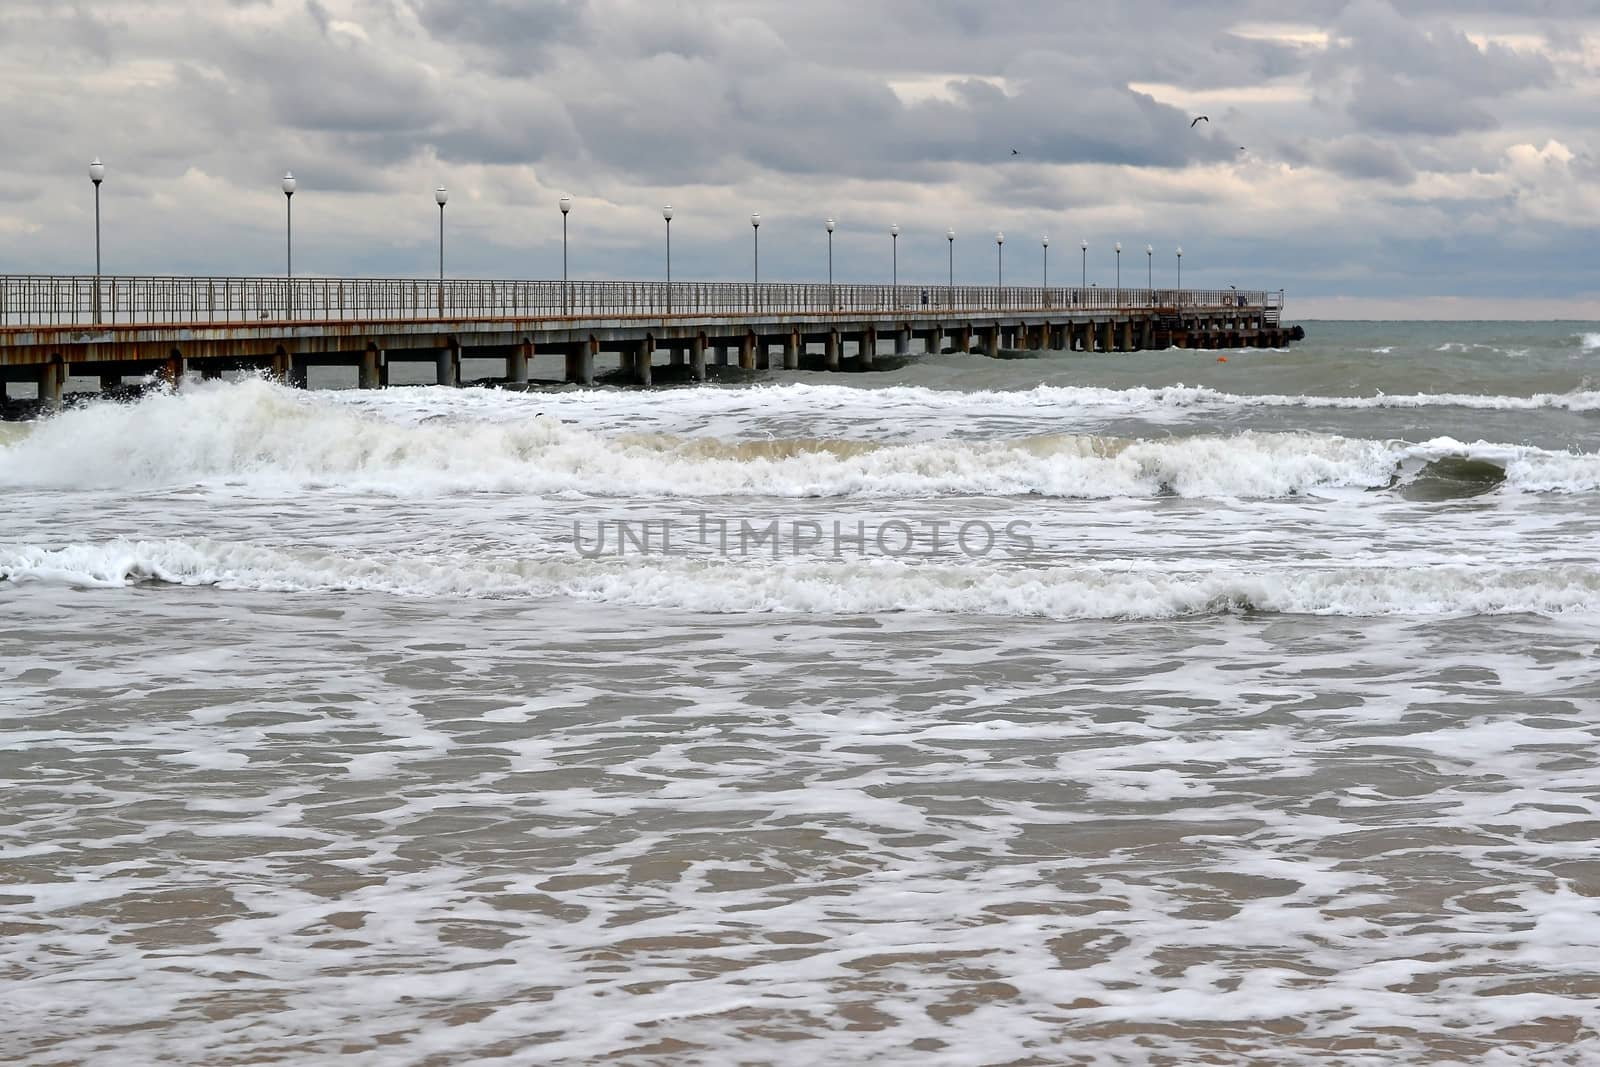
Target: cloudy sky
x=1372, y=157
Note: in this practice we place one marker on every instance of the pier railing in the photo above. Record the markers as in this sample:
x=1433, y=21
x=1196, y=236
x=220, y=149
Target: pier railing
x=85, y=300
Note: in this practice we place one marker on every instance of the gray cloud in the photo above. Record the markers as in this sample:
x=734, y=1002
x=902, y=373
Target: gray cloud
x=1405, y=128
x=1362, y=157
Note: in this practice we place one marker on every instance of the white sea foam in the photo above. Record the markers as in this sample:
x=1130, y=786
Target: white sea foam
x=269, y=439
x=1115, y=590
x=720, y=412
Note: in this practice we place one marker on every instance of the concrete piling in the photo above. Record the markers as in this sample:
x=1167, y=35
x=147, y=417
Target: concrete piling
x=52, y=381
x=644, y=352
x=367, y=376
x=831, y=355
x=447, y=366
x=517, y=361
x=791, y=350
x=697, y=357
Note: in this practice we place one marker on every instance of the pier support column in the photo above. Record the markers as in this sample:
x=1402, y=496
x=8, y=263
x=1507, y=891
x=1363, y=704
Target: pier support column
x=867, y=348
x=791, y=351
x=171, y=371
x=991, y=342
x=447, y=366
x=586, y=360
x=642, y=355
x=697, y=357
x=517, y=363
x=763, y=353
x=108, y=382
x=902, y=341
x=367, y=376
x=282, y=366
x=831, y=353
x=52, y=382
x=747, y=352
x=933, y=344
x=964, y=340
x=1106, y=331
x=1147, y=335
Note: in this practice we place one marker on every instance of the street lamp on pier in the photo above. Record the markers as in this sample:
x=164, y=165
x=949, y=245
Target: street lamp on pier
x=288, y=236
x=755, y=262
x=97, y=174
x=666, y=213
x=755, y=232
x=999, y=259
x=288, y=221
x=1119, y=273
x=1180, y=268
x=1150, y=272
x=1084, y=281
x=950, y=289
x=565, y=203
x=440, y=195
x=1045, y=240
x=894, y=256
x=832, y=296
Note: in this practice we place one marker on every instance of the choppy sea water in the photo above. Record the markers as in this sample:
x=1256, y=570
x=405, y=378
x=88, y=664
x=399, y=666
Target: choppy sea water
x=1083, y=708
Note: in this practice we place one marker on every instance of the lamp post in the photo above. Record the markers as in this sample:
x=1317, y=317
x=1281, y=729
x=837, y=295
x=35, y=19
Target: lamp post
x=832, y=300
x=440, y=195
x=949, y=235
x=1045, y=240
x=755, y=230
x=1149, y=272
x=97, y=174
x=999, y=260
x=666, y=213
x=1180, y=268
x=288, y=236
x=1119, y=273
x=894, y=256
x=1084, y=245
x=755, y=269
x=565, y=203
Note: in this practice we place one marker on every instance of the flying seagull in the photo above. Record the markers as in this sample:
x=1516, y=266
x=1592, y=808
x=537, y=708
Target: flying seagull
x=1015, y=152
x=1199, y=119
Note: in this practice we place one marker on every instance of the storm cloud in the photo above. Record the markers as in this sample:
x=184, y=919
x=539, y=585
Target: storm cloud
x=1347, y=141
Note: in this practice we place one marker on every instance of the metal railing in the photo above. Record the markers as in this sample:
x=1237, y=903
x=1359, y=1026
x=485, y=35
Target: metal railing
x=84, y=300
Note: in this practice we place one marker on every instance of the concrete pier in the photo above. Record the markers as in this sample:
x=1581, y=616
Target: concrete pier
x=41, y=343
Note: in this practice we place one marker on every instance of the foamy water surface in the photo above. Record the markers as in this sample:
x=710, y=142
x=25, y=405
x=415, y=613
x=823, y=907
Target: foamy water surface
x=1266, y=728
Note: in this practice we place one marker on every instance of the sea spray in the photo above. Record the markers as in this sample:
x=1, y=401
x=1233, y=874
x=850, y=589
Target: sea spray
x=261, y=438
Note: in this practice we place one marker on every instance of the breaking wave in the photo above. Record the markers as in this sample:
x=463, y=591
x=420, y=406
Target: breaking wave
x=1122, y=590
x=265, y=439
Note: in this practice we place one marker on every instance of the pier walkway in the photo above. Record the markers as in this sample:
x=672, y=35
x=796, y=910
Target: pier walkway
x=53, y=327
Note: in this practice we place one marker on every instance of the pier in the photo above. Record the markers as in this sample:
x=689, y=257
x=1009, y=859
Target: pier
x=106, y=328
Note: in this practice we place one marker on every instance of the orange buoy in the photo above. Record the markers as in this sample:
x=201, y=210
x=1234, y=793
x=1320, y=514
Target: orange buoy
x=1222, y=359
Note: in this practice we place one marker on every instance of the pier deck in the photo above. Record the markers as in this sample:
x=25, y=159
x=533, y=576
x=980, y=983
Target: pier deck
x=114, y=327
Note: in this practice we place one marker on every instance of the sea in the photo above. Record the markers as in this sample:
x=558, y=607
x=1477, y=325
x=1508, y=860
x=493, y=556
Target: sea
x=1063, y=708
